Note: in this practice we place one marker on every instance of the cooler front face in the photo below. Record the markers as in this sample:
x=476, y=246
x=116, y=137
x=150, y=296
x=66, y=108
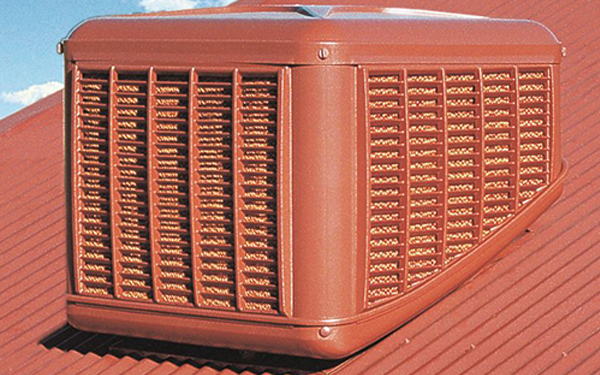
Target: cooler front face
x=176, y=187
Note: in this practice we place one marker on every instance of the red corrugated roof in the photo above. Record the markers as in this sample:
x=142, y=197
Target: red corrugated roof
x=535, y=310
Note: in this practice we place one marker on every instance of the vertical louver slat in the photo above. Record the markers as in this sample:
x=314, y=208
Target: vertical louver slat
x=129, y=183
x=426, y=174
x=153, y=209
x=192, y=190
x=92, y=185
x=212, y=194
x=500, y=153
x=464, y=131
x=256, y=143
x=169, y=188
x=387, y=172
x=238, y=214
x=481, y=182
x=534, y=125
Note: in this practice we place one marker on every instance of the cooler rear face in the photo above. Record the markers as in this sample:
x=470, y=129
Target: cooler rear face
x=303, y=209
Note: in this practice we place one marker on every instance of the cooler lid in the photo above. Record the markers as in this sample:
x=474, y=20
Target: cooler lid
x=312, y=34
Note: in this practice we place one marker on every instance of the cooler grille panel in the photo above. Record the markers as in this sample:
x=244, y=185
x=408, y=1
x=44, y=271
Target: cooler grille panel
x=176, y=187
x=534, y=128
x=464, y=166
x=92, y=194
x=453, y=154
x=213, y=191
x=168, y=165
x=129, y=185
x=426, y=180
x=387, y=201
x=257, y=192
x=500, y=151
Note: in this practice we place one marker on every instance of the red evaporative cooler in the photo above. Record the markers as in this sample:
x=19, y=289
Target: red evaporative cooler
x=298, y=179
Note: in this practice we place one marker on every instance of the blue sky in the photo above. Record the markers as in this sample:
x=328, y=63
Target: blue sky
x=30, y=30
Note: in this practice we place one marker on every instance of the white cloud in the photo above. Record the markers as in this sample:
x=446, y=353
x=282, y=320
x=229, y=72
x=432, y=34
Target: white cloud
x=31, y=94
x=160, y=5
x=214, y=3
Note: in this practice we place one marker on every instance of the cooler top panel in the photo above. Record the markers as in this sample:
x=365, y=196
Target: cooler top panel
x=312, y=35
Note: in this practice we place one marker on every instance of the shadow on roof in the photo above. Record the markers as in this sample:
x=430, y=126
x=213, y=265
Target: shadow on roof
x=68, y=338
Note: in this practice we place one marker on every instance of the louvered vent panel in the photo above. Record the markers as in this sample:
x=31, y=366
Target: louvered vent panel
x=176, y=187
x=170, y=198
x=426, y=188
x=387, y=198
x=213, y=191
x=464, y=151
x=257, y=192
x=500, y=153
x=457, y=151
x=129, y=197
x=92, y=185
x=534, y=126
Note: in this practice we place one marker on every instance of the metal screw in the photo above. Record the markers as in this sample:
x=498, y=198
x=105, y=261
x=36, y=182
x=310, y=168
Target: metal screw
x=323, y=53
x=564, y=51
x=325, y=331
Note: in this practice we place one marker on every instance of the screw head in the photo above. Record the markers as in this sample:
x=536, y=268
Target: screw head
x=564, y=51
x=325, y=331
x=323, y=53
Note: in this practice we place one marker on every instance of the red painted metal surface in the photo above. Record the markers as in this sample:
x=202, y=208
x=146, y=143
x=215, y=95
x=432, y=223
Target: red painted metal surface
x=533, y=311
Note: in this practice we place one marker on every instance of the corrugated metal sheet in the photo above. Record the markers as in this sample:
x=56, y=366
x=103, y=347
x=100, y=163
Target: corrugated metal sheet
x=535, y=310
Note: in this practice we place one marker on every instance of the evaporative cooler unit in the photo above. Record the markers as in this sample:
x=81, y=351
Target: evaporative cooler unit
x=298, y=179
